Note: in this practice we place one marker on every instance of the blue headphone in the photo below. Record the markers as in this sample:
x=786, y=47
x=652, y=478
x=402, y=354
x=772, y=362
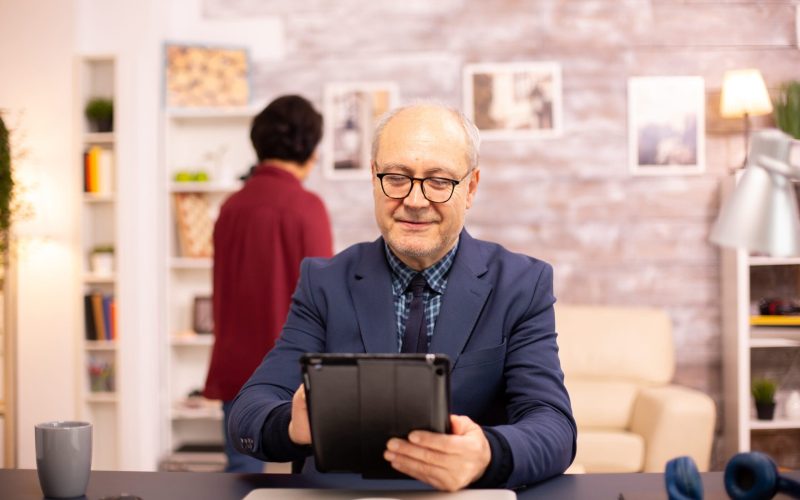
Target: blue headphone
x=748, y=476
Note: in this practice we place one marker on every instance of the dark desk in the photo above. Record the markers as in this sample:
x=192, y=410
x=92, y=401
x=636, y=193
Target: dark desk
x=24, y=485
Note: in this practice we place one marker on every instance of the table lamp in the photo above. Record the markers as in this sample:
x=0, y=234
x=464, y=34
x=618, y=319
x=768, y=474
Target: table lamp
x=744, y=94
x=761, y=215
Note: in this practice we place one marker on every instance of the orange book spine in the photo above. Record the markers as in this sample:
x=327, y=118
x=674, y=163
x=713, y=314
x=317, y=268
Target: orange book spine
x=113, y=319
x=97, y=310
x=94, y=169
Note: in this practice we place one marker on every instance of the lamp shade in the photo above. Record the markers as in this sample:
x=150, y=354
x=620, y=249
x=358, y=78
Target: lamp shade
x=744, y=93
x=761, y=215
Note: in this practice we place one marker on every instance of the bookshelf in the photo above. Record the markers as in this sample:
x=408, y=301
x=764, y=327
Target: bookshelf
x=757, y=345
x=216, y=145
x=98, y=366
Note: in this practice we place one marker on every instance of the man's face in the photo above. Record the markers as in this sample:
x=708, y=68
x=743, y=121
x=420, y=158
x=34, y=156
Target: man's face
x=423, y=142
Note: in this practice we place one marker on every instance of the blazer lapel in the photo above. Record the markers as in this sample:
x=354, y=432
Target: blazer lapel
x=373, y=300
x=463, y=300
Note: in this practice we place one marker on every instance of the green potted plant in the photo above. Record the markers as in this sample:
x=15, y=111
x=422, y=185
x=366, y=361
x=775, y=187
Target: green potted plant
x=101, y=260
x=6, y=190
x=100, y=113
x=763, y=390
x=786, y=107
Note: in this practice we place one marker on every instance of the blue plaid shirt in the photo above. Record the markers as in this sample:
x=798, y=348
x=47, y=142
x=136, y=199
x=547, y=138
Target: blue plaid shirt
x=436, y=276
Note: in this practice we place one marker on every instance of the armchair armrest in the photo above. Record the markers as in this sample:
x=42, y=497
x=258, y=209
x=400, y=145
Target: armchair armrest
x=674, y=421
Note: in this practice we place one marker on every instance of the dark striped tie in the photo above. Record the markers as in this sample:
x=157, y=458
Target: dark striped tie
x=415, y=338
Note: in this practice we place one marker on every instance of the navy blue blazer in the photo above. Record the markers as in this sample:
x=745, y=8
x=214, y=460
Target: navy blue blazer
x=496, y=324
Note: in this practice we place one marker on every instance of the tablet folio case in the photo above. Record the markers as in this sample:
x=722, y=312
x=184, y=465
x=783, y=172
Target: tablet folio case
x=356, y=402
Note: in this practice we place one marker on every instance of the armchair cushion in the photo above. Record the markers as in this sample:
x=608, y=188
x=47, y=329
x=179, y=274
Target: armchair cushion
x=610, y=451
x=602, y=404
x=674, y=421
x=618, y=362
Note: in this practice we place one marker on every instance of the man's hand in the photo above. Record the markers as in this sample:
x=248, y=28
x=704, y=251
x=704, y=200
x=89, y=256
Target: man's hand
x=445, y=461
x=299, y=430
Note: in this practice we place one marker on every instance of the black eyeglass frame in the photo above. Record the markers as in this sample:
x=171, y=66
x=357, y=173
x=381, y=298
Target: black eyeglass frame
x=421, y=181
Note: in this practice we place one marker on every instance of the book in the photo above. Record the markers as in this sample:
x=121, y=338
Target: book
x=97, y=313
x=105, y=170
x=93, y=169
x=775, y=320
x=113, y=318
x=107, y=317
x=88, y=313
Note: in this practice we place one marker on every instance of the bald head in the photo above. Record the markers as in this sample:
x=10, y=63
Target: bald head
x=415, y=117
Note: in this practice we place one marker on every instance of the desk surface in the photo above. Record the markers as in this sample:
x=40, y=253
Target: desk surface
x=23, y=484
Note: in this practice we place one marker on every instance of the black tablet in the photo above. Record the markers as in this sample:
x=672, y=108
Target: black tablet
x=356, y=402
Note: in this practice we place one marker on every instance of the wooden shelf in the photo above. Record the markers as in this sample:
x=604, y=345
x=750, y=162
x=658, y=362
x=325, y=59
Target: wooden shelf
x=773, y=342
x=98, y=197
x=203, y=187
x=99, y=137
x=762, y=425
x=101, y=397
x=184, y=263
x=101, y=345
x=774, y=336
x=95, y=279
x=197, y=340
x=774, y=261
x=244, y=112
x=203, y=413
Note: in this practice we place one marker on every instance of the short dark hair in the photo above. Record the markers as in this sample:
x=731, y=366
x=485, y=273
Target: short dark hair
x=289, y=128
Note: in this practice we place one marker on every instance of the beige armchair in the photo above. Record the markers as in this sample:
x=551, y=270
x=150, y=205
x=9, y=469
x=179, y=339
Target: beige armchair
x=618, y=363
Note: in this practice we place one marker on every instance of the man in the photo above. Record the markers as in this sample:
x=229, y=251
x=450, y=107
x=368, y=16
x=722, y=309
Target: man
x=489, y=310
x=262, y=234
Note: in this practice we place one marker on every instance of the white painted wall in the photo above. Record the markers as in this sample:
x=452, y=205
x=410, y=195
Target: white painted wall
x=36, y=38
x=39, y=41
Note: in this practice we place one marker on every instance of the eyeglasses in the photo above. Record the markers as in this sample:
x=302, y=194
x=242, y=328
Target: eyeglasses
x=434, y=189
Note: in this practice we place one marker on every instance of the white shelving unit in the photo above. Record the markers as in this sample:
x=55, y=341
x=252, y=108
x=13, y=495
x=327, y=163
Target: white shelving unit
x=216, y=142
x=98, y=366
x=745, y=280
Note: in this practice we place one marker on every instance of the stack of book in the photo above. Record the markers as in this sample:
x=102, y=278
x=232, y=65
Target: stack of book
x=100, y=312
x=98, y=170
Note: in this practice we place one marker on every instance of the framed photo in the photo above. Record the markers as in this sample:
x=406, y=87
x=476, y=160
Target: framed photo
x=351, y=112
x=666, y=125
x=194, y=224
x=514, y=100
x=203, y=315
x=206, y=77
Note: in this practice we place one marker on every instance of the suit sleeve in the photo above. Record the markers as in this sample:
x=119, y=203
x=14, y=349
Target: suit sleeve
x=274, y=382
x=541, y=431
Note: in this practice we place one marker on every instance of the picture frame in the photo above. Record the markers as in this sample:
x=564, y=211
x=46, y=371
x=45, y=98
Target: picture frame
x=521, y=100
x=352, y=110
x=204, y=76
x=666, y=125
x=194, y=225
x=203, y=315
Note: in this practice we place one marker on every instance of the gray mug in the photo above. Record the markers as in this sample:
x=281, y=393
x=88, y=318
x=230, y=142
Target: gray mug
x=63, y=457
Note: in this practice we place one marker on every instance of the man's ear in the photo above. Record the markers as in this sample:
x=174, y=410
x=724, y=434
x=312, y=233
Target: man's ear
x=474, y=179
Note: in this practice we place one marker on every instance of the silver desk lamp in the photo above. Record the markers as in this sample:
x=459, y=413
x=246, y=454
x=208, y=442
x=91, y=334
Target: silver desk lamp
x=761, y=215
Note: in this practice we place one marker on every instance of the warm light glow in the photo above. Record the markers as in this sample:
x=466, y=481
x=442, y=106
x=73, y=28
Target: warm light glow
x=744, y=93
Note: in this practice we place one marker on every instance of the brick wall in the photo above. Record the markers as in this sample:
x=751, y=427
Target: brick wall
x=612, y=238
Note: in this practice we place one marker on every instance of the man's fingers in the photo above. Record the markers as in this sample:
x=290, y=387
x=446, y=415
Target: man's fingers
x=432, y=474
x=425, y=454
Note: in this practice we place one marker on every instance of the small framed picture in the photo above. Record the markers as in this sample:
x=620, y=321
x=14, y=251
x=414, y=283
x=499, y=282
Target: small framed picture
x=514, y=100
x=666, y=125
x=351, y=113
x=203, y=315
x=206, y=77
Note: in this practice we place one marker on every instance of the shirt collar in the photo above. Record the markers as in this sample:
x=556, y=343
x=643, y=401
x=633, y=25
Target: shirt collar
x=435, y=275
